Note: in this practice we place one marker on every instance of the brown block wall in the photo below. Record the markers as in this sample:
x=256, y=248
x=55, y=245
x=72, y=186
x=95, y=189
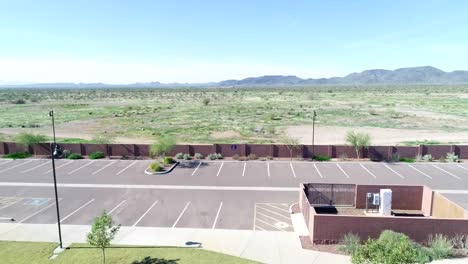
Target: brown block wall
x=379, y=153
x=74, y=148
x=331, y=228
x=437, y=151
x=42, y=149
x=127, y=150
x=179, y=149
x=461, y=151
x=202, y=149
x=259, y=150
x=403, y=197
x=406, y=152
x=228, y=151
x=89, y=148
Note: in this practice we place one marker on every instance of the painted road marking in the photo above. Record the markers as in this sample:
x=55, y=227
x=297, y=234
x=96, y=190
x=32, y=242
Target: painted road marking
x=6, y=162
x=273, y=212
x=104, y=167
x=79, y=208
x=142, y=186
x=16, y=166
x=220, y=167
x=344, y=172
x=217, y=215
x=255, y=218
x=319, y=173
x=133, y=163
x=281, y=209
x=292, y=169
x=87, y=164
x=147, y=211
x=449, y=173
x=199, y=164
x=33, y=168
x=416, y=169
x=260, y=220
x=375, y=177
x=243, y=171
x=268, y=169
x=56, y=168
x=8, y=201
x=43, y=209
x=180, y=216
x=388, y=167
x=462, y=167
x=115, y=208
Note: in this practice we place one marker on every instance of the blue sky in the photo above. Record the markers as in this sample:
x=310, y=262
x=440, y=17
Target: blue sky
x=198, y=41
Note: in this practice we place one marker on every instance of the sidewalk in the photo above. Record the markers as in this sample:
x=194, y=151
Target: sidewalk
x=263, y=246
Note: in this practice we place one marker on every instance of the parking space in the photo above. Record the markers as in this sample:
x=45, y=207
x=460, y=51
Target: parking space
x=272, y=217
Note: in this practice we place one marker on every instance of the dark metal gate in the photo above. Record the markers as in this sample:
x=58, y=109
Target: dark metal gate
x=320, y=194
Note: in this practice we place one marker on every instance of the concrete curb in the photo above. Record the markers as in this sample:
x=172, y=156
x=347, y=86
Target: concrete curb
x=147, y=171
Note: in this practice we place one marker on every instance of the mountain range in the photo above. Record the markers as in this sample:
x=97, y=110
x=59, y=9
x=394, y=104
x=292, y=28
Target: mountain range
x=404, y=76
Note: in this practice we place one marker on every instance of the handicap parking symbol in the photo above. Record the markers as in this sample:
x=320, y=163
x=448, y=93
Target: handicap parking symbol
x=233, y=147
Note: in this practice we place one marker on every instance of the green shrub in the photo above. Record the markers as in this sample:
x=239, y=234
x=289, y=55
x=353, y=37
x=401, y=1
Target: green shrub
x=235, y=157
x=252, y=157
x=269, y=157
x=66, y=153
x=19, y=101
x=427, y=157
x=74, y=156
x=18, y=155
x=28, y=139
x=322, y=158
x=206, y=101
x=97, y=155
x=214, y=156
x=187, y=156
x=395, y=157
x=441, y=246
x=155, y=166
x=408, y=160
x=169, y=160
x=451, y=157
x=460, y=241
x=390, y=247
x=179, y=155
x=242, y=158
x=162, y=145
x=350, y=243
x=198, y=156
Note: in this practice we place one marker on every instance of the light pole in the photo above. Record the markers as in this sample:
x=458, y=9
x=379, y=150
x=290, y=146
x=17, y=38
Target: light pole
x=54, y=152
x=313, y=134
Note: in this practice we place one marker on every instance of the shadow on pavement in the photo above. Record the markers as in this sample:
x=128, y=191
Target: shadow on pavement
x=150, y=260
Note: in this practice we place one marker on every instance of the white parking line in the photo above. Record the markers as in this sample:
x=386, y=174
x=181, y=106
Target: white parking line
x=180, y=216
x=43, y=209
x=255, y=227
x=220, y=167
x=19, y=199
x=87, y=164
x=16, y=166
x=104, y=167
x=243, y=171
x=388, y=167
x=319, y=173
x=6, y=162
x=56, y=168
x=115, y=208
x=373, y=175
x=273, y=212
x=147, y=211
x=292, y=169
x=281, y=209
x=267, y=216
x=133, y=163
x=416, y=169
x=344, y=172
x=462, y=167
x=255, y=217
x=268, y=169
x=199, y=164
x=260, y=220
x=449, y=173
x=33, y=168
x=79, y=208
x=217, y=215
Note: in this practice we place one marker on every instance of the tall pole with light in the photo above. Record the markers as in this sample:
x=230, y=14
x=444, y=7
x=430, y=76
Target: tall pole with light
x=53, y=153
x=313, y=134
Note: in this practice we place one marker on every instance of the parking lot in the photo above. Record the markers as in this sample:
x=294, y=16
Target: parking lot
x=254, y=195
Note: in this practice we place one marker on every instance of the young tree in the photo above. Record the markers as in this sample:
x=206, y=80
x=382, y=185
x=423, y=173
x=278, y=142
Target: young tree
x=102, y=233
x=292, y=144
x=358, y=141
x=206, y=101
x=162, y=145
x=29, y=139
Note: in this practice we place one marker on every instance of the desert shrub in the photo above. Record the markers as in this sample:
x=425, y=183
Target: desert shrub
x=179, y=155
x=408, y=160
x=162, y=145
x=29, y=139
x=235, y=157
x=198, y=156
x=269, y=157
x=427, y=157
x=186, y=156
x=169, y=160
x=242, y=158
x=424, y=254
x=206, y=101
x=17, y=155
x=19, y=101
x=66, y=153
x=97, y=155
x=155, y=166
x=390, y=247
x=322, y=158
x=74, y=156
x=343, y=156
x=252, y=157
x=460, y=241
x=440, y=246
x=349, y=243
x=451, y=157
x=442, y=159
x=214, y=156
x=395, y=157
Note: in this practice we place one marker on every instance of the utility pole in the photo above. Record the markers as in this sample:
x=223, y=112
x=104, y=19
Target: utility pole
x=53, y=153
